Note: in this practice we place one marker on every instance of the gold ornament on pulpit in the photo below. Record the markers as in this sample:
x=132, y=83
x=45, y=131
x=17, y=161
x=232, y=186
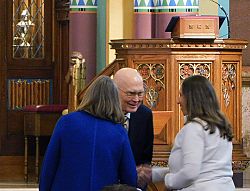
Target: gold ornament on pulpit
x=75, y=77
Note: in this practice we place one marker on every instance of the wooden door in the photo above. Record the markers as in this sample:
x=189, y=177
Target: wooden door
x=33, y=63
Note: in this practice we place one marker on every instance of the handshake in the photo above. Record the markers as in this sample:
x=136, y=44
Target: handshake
x=147, y=174
x=144, y=173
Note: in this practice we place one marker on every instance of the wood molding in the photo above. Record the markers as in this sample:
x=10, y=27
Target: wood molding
x=11, y=168
x=245, y=79
x=62, y=10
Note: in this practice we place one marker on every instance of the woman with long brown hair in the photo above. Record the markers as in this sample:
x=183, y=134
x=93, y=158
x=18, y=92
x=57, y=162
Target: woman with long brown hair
x=201, y=158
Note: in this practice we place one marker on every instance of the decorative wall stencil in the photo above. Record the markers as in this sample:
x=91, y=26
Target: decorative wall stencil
x=157, y=14
x=187, y=69
x=153, y=76
x=83, y=5
x=22, y=92
x=228, y=81
x=166, y=5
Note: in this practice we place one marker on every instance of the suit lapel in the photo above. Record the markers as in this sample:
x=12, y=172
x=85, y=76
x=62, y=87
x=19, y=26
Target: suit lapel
x=132, y=125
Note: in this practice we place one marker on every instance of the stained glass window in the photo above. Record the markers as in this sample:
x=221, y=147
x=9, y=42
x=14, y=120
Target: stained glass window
x=28, y=28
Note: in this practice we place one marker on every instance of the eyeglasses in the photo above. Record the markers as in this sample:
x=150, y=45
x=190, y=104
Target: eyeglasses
x=133, y=94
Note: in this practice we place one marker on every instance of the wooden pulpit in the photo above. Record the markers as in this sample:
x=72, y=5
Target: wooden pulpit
x=195, y=27
x=160, y=119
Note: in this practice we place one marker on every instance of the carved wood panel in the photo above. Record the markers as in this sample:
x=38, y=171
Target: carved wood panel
x=219, y=61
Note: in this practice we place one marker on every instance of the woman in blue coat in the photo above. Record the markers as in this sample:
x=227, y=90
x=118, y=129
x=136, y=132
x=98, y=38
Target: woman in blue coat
x=89, y=148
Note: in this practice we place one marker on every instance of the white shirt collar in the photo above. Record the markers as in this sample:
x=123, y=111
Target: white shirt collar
x=128, y=115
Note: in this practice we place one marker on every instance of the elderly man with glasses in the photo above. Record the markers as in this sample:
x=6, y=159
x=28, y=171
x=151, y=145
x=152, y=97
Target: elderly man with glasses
x=139, y=123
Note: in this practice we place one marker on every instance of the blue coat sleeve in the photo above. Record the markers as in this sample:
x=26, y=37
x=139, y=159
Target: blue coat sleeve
x=128, y=173
x=51, y=160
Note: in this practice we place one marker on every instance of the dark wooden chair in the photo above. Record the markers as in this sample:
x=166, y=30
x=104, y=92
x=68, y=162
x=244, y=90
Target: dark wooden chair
x=39, y=120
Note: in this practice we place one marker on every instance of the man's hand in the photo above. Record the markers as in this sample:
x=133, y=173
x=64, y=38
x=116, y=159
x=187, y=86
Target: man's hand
x=144, y=173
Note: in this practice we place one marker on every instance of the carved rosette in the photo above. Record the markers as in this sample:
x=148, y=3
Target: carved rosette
x=189, y=69
x=159, y=163
x=153, y=77
x=240, y=166
x=228, y=81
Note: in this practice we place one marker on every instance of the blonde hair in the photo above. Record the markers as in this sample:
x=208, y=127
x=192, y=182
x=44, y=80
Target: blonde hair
x=101, y=99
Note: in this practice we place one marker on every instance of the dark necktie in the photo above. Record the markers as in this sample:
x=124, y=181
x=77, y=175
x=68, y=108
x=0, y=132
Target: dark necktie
x=126, y=122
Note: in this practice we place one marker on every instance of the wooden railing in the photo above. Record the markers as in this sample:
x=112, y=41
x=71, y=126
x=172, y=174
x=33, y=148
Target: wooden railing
x=24, y=92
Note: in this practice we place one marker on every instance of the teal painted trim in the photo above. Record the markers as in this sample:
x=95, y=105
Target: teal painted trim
x=74, y=9
x=83, y=9
x=169, y=9
x=101, y=36
x=224, y=28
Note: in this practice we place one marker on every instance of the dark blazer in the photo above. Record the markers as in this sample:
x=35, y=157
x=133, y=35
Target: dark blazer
x=141, y=135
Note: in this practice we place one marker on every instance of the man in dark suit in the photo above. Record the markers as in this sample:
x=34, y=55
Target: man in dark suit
x=140, y=121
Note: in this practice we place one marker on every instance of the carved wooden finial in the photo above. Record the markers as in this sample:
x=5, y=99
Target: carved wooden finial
x=62, y=10
x=75, y=56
